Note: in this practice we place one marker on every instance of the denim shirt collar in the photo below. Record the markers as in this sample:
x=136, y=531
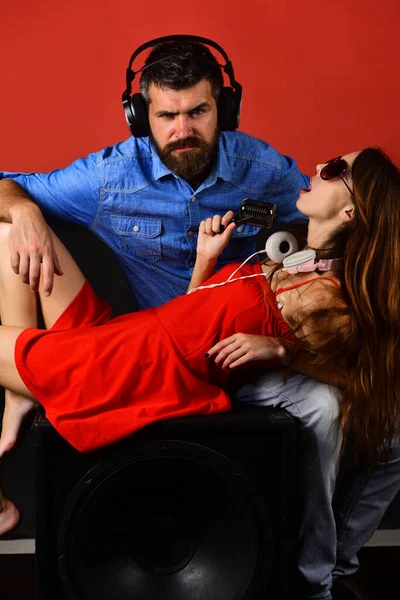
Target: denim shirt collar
x=159, y=169
x=223, y=169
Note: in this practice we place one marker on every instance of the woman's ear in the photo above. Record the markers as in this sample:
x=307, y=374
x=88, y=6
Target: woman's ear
x=348, y=213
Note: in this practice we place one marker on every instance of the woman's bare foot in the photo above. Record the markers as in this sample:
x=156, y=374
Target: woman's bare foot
x=16, y=409
x=9, y=515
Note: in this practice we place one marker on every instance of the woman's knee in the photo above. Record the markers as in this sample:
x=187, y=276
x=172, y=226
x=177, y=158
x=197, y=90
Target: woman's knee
x=5, y=259
x=4, y=233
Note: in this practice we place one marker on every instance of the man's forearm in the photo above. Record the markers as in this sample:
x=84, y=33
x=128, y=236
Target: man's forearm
x=13, y=199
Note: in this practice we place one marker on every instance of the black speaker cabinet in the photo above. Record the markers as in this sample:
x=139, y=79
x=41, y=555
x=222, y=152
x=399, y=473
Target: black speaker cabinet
x=199, y=508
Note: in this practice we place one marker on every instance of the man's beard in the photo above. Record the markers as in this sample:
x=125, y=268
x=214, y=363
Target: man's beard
x=188, y=164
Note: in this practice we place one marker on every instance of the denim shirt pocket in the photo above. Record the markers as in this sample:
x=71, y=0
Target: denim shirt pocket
x=241, y=244
x=139, y=236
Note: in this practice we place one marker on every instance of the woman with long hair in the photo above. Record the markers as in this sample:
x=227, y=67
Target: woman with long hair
x=336, y=318
x=354, y=327
x=340, y=514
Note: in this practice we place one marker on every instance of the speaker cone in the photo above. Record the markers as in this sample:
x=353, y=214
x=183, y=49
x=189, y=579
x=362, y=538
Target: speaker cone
x=177, y=521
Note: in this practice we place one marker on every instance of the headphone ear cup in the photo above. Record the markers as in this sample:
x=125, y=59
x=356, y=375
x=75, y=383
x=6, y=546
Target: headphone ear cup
x=228, y=109
x=138, y=119
x=280, y=245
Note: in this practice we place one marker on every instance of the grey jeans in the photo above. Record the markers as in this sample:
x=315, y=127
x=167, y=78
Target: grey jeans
x=334, y=527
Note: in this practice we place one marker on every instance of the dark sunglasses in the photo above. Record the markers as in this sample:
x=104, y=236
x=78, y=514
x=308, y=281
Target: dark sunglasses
x=336, y=167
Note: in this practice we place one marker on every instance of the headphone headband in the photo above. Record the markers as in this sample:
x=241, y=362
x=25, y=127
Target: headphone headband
x=227, y=67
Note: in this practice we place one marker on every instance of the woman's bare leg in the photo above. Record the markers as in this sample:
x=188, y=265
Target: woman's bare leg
x=65, y=288
x=19, y=404
x=9, y=514
x=18, y=308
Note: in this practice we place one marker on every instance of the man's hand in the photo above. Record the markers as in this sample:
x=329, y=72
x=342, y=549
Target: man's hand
x=213, y=238
x=242, y=348
x=31, y=245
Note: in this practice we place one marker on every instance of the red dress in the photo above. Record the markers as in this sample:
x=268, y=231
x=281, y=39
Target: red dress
x=100, y=379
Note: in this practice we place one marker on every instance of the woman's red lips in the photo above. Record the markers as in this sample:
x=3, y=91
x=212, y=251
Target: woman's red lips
x=306, y=190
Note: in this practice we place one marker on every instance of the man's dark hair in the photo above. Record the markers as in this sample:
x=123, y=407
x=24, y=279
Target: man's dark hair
x=189, y=63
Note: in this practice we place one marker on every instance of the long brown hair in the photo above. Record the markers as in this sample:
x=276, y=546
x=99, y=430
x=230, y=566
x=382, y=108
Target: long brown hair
x=368, y=345
x=371, y=400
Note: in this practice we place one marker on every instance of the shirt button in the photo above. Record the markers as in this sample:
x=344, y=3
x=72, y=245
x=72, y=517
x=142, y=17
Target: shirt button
x=136, y=228
x=190, y=233
x=240, y=228
x=191, y=264
x=193, y=199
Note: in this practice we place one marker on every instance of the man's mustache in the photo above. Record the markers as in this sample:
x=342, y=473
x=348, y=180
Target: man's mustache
x=189, y=142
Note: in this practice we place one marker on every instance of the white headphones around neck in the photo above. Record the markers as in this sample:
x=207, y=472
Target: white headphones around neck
x=282, y=247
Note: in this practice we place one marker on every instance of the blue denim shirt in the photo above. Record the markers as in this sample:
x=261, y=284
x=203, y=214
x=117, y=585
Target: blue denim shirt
x=150, y=217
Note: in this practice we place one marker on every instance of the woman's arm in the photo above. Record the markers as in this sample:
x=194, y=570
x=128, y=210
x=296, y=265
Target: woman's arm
x=210, y=243
x=328, y=372
x=240, y=349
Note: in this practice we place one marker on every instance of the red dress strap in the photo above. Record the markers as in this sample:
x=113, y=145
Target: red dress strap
x=296, y=285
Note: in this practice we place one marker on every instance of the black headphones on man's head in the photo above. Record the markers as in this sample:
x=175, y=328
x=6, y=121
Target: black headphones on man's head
x=136, y=109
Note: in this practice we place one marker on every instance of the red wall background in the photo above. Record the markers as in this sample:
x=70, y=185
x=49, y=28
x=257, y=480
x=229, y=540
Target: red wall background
x=319, y=78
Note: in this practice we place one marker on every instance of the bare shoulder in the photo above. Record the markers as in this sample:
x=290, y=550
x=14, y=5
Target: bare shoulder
x=322, y=293
x=322, y=309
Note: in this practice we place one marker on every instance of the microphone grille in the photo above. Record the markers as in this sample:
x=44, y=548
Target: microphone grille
x=256, y=212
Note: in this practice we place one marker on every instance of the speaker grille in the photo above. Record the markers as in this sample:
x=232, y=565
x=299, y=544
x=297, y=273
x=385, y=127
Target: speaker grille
x=188, y=524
